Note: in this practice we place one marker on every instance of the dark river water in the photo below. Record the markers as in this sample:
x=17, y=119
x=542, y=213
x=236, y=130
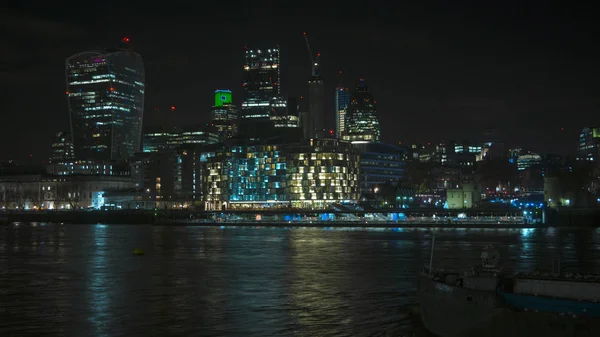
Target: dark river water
x=83, y=280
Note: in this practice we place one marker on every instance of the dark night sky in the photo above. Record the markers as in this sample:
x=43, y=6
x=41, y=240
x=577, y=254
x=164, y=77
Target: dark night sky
x=438, y=70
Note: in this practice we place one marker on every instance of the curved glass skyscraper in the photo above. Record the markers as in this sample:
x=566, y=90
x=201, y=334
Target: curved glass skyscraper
x=362, y=124
x=106, y=103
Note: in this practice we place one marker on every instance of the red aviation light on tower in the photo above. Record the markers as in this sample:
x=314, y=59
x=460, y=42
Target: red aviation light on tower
x=172, y=108
x=126, y=39
x=331, y=132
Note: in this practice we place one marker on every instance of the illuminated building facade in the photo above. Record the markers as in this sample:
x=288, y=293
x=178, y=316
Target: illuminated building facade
x=62, y=148
x=261, y=82
x=466, y=147
x=362, y=124
x=245, y=176
x=527, y=160
x=159, y=140
x=41, y=192
x=198, y=137
x=589, y=144
x=380, y=164
x=187, y=180
x=321, y=172
x=311, y=174
x=106, y=102
x=224, y=115
x=280, y=115
x=342, y=99
x=89, y=167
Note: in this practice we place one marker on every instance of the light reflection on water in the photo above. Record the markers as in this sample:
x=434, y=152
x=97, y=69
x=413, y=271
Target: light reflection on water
x=99, y=289
x=195, y=281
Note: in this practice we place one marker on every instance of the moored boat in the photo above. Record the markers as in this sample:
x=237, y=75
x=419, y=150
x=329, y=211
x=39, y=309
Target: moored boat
x=450, y=303
x=486, y=301
x=555, y=292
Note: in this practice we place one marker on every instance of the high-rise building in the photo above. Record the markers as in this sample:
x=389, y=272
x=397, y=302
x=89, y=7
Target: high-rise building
x=280, y=115
x=589, y=144
x=62, y=148
x=163, y=141
x=224, y=115
x=261, y=82
x=342, y=99
x=315, y=121
x=105, y=92
x=362, y=124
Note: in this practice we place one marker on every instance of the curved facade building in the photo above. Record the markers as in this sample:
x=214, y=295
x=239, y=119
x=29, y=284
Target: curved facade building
x=362, y=124
x=322, y=172
x=106, y=103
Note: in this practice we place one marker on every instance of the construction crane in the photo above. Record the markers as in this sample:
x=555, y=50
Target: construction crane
x=314, y=62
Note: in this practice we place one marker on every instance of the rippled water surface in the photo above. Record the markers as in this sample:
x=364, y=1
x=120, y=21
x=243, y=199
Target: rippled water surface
x=81, y=280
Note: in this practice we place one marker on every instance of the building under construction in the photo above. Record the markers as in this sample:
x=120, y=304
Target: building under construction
x=314, y=124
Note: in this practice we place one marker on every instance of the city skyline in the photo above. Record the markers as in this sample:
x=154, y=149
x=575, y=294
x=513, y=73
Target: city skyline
x=420, y=97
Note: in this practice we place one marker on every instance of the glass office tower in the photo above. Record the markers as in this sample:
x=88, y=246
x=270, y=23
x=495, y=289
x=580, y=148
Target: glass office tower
x=362, y=124
x=342, y=99
x=261, y=82
x=106, y=103
x=224, y=114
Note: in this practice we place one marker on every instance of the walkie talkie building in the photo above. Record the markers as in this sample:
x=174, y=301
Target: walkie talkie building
x=105, y=91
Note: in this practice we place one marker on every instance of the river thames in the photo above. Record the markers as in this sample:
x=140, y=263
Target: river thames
x=83, y=280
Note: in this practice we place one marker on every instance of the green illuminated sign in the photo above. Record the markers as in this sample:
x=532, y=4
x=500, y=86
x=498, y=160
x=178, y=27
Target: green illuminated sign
x=222, y=97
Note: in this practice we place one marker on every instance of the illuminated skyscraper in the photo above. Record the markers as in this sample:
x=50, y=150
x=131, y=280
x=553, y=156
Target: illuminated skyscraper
x=342, y=99
x=261, y=82
x=224, y=115
x=105, y=92
x=362, y=124
x=62, y=148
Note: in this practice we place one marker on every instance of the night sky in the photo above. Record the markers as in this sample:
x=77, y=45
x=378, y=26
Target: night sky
x=438, y=70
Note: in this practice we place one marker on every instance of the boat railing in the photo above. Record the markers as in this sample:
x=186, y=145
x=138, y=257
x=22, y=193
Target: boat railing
x=592, y=278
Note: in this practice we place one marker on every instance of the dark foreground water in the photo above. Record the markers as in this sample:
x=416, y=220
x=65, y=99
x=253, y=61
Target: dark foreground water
x=83, y=280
